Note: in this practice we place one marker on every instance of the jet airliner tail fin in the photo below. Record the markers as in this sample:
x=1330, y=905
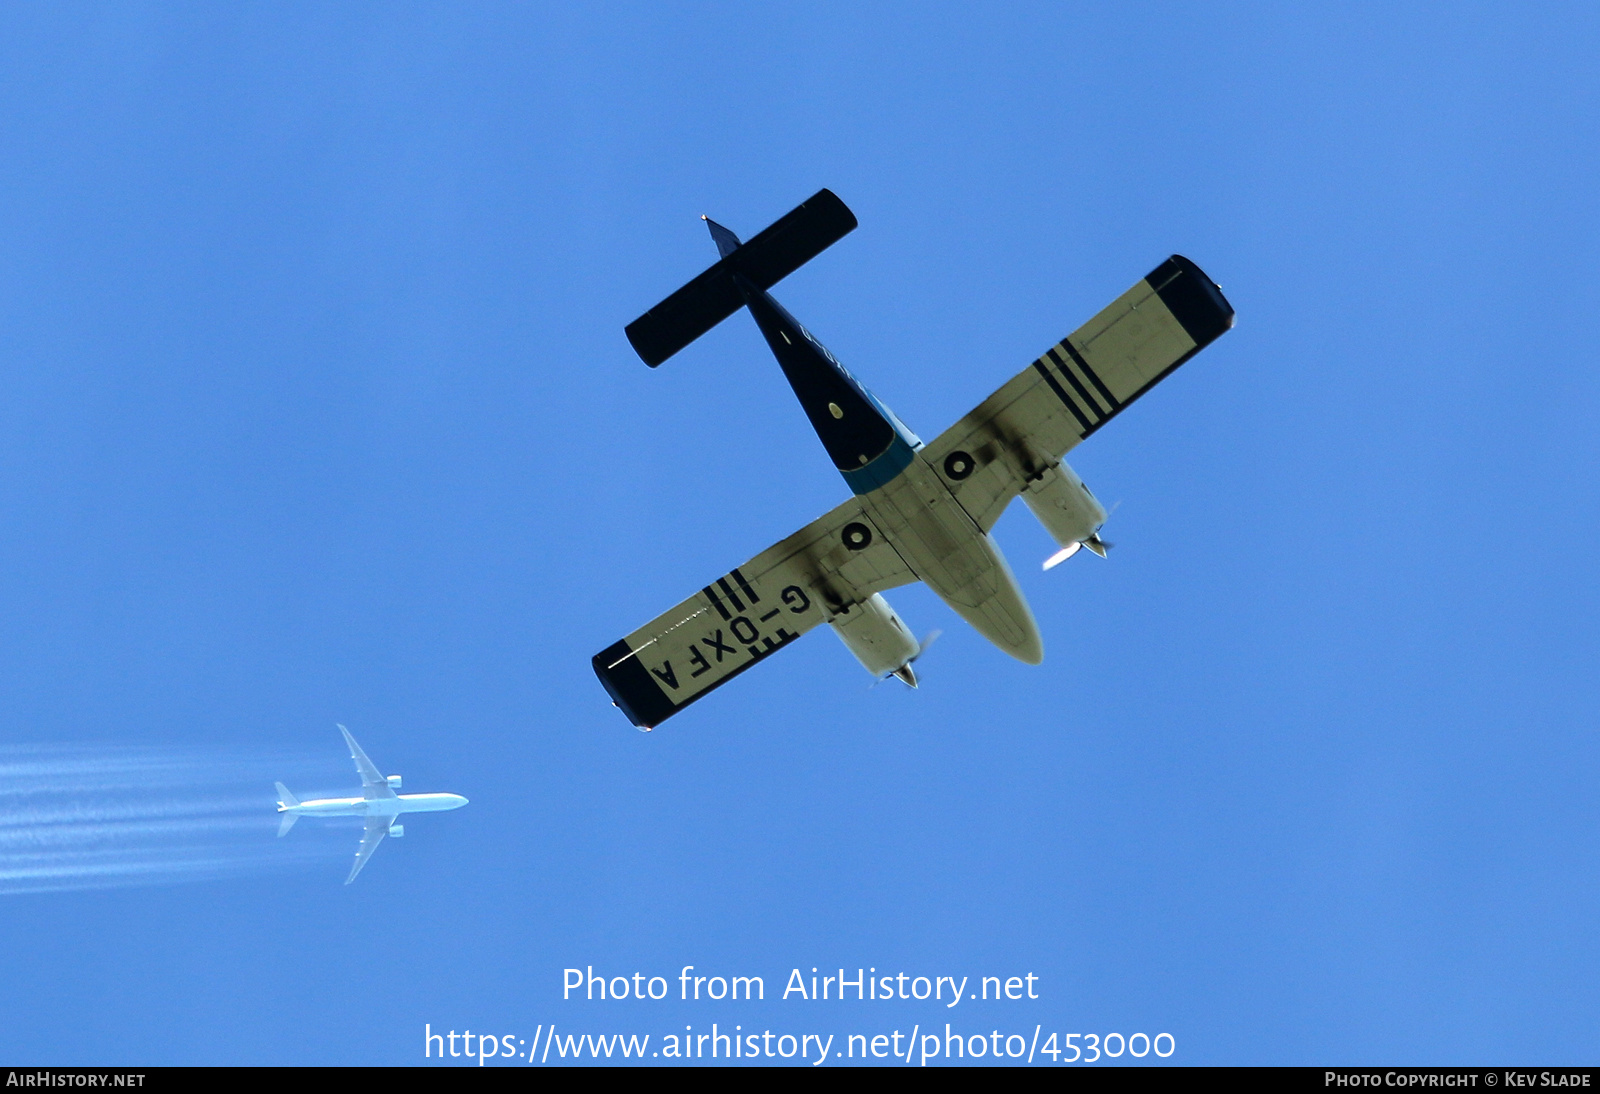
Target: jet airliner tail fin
x=771, y=255
x=286, y=801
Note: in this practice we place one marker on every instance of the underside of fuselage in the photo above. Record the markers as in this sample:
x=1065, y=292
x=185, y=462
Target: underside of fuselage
x=374, y=807
x=910, y=504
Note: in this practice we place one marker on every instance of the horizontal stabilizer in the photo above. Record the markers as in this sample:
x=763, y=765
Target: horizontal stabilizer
x=785, y=246
x=287, y=823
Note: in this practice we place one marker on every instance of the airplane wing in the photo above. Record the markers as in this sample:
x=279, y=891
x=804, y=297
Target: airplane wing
x=749, y=614
x=377, y=828
x=373, y=784
x=1079, y=385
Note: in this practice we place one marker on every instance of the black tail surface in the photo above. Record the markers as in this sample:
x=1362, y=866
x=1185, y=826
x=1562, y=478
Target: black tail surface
x=789, y=243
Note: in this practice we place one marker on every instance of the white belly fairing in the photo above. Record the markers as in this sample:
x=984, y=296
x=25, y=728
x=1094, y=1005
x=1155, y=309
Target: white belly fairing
x=332, y=807
x=955, y=558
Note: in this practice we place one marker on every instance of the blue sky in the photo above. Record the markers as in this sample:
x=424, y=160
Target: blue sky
x=316, y=408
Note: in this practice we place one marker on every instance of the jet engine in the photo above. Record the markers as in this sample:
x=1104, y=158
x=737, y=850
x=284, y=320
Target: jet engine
x=1067, y=510
x=394, y=782
x=397, y=830
x=880, y=640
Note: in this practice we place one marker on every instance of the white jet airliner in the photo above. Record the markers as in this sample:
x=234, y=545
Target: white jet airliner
x=378, y=803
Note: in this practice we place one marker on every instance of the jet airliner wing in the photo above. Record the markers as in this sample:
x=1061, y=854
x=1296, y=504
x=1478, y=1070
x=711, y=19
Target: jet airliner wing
x=373, y=784
x=377, y=828
x=749, y=614
x=1077, y=386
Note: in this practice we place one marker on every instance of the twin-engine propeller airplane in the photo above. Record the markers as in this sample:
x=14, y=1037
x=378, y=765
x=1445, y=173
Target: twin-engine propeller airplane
x=378, y=803
x=920, y=512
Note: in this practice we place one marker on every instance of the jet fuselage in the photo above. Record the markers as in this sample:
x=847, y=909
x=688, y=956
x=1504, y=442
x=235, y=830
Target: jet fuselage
x=376, y=807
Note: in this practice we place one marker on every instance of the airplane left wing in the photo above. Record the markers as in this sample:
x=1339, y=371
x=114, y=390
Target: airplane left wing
x=1078, y=385
x=749, y=614
x=373, y=784
x=377, y=828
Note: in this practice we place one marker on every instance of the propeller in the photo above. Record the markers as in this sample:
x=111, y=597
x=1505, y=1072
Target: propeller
x=904, y=673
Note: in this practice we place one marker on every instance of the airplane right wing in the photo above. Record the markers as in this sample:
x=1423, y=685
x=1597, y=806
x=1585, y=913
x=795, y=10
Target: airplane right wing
x=373, y=784
x=749, y=614
x=1078, y=385
x=377, y=828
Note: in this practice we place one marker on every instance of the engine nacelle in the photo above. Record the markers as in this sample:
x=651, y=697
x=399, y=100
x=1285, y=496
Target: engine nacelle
x=394, y=782
x=397, y=830
x=1064, y=506
x=876, y=635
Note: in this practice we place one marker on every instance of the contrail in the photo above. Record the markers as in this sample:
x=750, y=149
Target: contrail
x=92, y=818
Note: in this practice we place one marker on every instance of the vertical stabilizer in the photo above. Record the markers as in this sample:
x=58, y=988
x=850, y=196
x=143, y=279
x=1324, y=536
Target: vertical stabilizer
x=727, y=242
x=286, y=802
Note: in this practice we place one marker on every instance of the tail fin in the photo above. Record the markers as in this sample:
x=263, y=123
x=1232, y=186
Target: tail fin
x=726, y=241
x=789, y=243
x=286, y=802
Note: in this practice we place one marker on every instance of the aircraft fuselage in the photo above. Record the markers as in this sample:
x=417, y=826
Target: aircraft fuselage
x=908, y=501
x=376, y=807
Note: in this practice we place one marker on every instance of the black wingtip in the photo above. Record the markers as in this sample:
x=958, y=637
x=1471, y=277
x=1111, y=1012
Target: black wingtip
x=630, y=687
x=1193, y=298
